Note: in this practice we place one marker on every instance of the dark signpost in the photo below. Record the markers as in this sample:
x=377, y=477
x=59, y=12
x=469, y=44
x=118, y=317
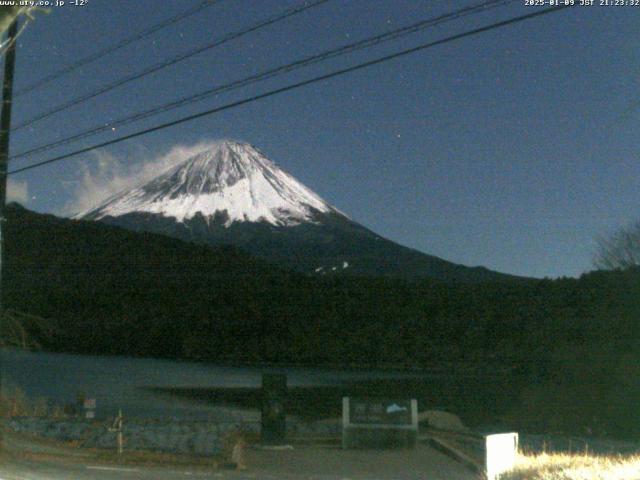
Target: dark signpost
x=379, y=422
x=274, y=396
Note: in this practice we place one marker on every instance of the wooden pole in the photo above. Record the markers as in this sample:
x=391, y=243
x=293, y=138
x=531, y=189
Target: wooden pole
x=5, y=127
x=120, y=440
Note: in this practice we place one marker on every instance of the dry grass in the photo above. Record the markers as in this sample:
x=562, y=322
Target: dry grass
x=14, y=403
x=575, y=467
x=233, y=452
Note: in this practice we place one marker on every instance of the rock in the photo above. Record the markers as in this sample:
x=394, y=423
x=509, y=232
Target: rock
x=442, y=420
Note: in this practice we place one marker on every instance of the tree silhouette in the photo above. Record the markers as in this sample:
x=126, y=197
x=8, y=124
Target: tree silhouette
x=620, y=250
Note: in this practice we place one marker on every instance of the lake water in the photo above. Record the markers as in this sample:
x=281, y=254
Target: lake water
x=119, y=382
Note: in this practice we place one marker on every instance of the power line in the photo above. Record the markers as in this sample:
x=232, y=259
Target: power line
x=110, y=49
x=297, y=85
x=310, y=60
x=178, y=58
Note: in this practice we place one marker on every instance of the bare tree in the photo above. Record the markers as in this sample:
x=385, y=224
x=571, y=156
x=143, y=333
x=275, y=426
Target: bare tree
x=17, y=328
x=620, y=250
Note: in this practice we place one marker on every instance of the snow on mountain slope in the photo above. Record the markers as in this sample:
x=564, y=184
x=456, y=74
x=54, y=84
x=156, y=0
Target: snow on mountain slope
x=233, y=195
x=234, y=179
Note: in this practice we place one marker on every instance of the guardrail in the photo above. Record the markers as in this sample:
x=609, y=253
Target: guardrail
x=489, y=455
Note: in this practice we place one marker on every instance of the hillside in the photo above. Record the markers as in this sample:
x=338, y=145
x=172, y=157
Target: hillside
x=567, y=349
x=115, y=291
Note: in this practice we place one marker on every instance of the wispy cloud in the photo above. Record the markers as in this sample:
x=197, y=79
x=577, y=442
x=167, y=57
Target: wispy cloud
x=17, y=191
x=109, y=175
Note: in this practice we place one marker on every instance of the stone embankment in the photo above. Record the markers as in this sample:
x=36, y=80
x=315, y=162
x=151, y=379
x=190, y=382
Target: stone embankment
x=173, y=436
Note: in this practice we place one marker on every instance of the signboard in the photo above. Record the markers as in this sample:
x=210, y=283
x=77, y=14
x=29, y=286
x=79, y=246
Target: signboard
x=377, y=411
x=89, y=405
x=379, y=422
x=501, y=451
x=274, y=396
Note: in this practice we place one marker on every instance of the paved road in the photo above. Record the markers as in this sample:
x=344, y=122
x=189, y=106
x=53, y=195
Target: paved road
x=305, y=463
x=28, y=458
x=333, y=463
x=50, y=470
x=29, y=470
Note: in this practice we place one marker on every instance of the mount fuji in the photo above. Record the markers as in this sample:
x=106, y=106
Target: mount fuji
x=233, y=194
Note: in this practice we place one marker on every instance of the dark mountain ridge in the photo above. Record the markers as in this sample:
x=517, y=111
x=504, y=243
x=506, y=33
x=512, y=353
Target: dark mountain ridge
x=566, y=349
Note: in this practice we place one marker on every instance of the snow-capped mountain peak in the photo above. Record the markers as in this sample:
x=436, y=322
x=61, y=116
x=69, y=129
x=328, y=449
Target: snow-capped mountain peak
x=233, y=195
x=233, y=179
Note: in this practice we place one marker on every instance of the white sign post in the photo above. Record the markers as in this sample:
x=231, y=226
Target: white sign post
x=501, y=451
x=89, y=405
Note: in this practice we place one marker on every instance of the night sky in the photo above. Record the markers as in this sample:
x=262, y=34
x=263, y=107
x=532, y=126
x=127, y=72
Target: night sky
x=513, y=149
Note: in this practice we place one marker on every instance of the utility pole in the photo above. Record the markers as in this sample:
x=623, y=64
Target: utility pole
x=5, y=127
